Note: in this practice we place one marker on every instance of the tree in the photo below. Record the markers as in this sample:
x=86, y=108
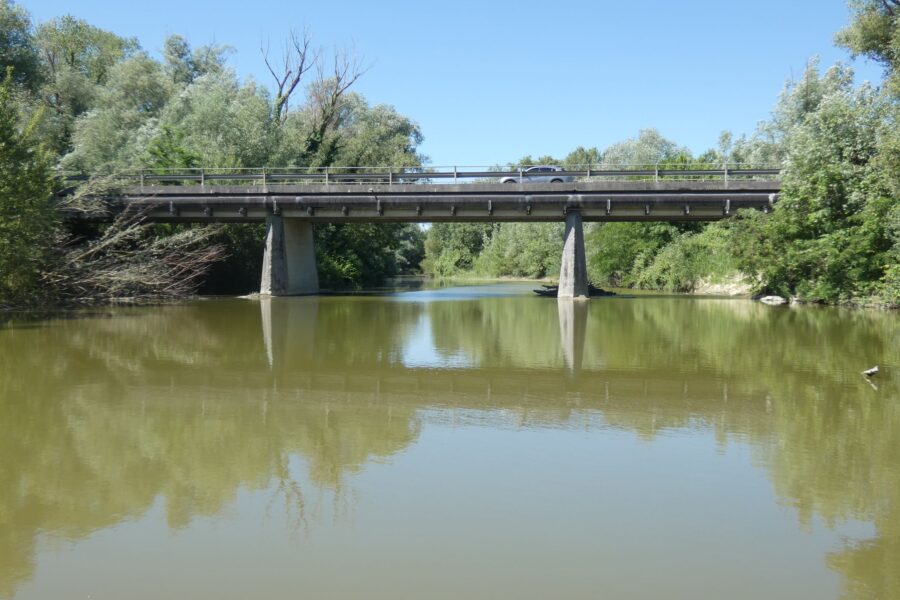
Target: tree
x=17, y=46
x=648, y=148
x=167, y=150
x=78, y=59
x=185, y=65
x=618, y=252
x=326, y=109
x=451, y=248
x=874, y=32
x=522, y=250
x=375, y=136
x=297, y=59
x=358, y=254
x=829, y=238
x=225, y=123
x=115, y=134
x=76, y=45
x=26, y=218
x=581, y=157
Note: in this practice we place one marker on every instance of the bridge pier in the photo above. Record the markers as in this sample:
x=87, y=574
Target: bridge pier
x=289, y=262
x=573, y=279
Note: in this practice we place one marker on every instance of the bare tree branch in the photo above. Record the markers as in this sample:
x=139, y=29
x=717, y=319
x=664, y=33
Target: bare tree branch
x=326, y=102
x=129, y=260
x=296, y=60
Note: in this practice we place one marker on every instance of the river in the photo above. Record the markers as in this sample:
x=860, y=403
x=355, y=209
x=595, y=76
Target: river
x=463, y=442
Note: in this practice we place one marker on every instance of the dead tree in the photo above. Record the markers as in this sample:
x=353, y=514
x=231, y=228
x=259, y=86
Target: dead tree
x=326, y=100
x=296, y=60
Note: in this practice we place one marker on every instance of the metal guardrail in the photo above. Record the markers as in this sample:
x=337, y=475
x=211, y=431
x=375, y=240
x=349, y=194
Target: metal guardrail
x=413, y=175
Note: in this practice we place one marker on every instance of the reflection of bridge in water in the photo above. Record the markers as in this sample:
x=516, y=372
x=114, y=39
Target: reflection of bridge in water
x=288, y=331
x=222, y=394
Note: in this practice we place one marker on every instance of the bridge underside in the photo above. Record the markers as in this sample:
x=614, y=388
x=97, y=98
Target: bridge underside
x=596, y=201
x=290, y=210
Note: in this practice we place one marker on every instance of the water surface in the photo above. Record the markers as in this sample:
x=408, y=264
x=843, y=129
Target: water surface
x=468, y=442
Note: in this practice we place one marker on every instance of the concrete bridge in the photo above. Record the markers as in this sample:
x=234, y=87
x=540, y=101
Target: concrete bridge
x=290, y=202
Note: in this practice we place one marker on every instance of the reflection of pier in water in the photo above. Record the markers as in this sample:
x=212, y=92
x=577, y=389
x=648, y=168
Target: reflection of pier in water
x=537, y=393
x=289, y=328
x=222, y=395
x=572, y=325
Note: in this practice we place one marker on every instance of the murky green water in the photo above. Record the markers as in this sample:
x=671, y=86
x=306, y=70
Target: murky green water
x=460, y=443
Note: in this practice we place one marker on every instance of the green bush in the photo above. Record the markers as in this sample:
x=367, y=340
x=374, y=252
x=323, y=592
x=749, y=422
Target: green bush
x=522, y=250
x=27, y=221
x=689, y=259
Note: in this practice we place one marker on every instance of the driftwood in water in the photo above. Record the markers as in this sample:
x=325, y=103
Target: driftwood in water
x=553, y=290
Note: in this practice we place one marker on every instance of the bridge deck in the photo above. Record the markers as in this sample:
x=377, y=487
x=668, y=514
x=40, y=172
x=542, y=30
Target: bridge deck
x=663, y=200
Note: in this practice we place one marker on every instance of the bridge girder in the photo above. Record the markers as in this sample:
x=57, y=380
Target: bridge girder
x=596, y=201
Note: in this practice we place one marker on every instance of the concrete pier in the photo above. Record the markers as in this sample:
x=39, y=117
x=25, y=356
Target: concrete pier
x=573, y=279
x=289, y=263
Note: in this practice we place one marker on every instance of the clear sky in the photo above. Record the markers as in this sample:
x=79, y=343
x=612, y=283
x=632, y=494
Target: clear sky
x=489, y=82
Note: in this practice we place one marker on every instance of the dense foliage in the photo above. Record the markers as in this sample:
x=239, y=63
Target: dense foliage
x=90, y=101
x=25, y=213
x=834, y=235
x=87, y=100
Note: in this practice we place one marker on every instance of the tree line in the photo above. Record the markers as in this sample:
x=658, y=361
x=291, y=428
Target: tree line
x=833, y=237
x=77, y=98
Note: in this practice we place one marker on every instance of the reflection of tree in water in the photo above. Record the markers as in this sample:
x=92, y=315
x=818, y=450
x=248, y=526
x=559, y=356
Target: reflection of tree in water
x=100, y=418
x=83, y=448
x=92, y=459
x=830, y=443
x=752, y=340
x=835, y=452
x=362, y=331
x=498, y=332
x=787, y=381
x=869, y=567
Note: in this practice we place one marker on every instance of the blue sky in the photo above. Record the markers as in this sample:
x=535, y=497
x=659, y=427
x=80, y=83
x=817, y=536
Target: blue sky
x=489, y=82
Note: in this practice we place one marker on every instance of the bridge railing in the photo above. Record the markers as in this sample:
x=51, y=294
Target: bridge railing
x=432, y=175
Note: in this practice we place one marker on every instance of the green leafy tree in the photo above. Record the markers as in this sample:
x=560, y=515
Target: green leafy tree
x=411, y=251
x=17, y=45
x=581, y=157
x=618, y=252
x=167, y=150
x=78, y=59
x=874, y=32
x=648, y=148
x=829, y=238
x=357, y=254
x=26, y=218
x=452, y=248
x=75, y=44
x=225, y=123
x=522, y=250
x=116, y=133
x=377, y=136
x=184, y=64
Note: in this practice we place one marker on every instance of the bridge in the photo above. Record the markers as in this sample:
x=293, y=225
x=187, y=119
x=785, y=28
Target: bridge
x=290, y=201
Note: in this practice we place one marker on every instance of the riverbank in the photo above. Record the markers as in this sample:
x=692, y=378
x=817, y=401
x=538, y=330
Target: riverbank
x=729, y=287
x=733, y=286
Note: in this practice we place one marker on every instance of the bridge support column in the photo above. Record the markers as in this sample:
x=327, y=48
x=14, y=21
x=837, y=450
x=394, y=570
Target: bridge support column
x=573, y=279
x=289, y=262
